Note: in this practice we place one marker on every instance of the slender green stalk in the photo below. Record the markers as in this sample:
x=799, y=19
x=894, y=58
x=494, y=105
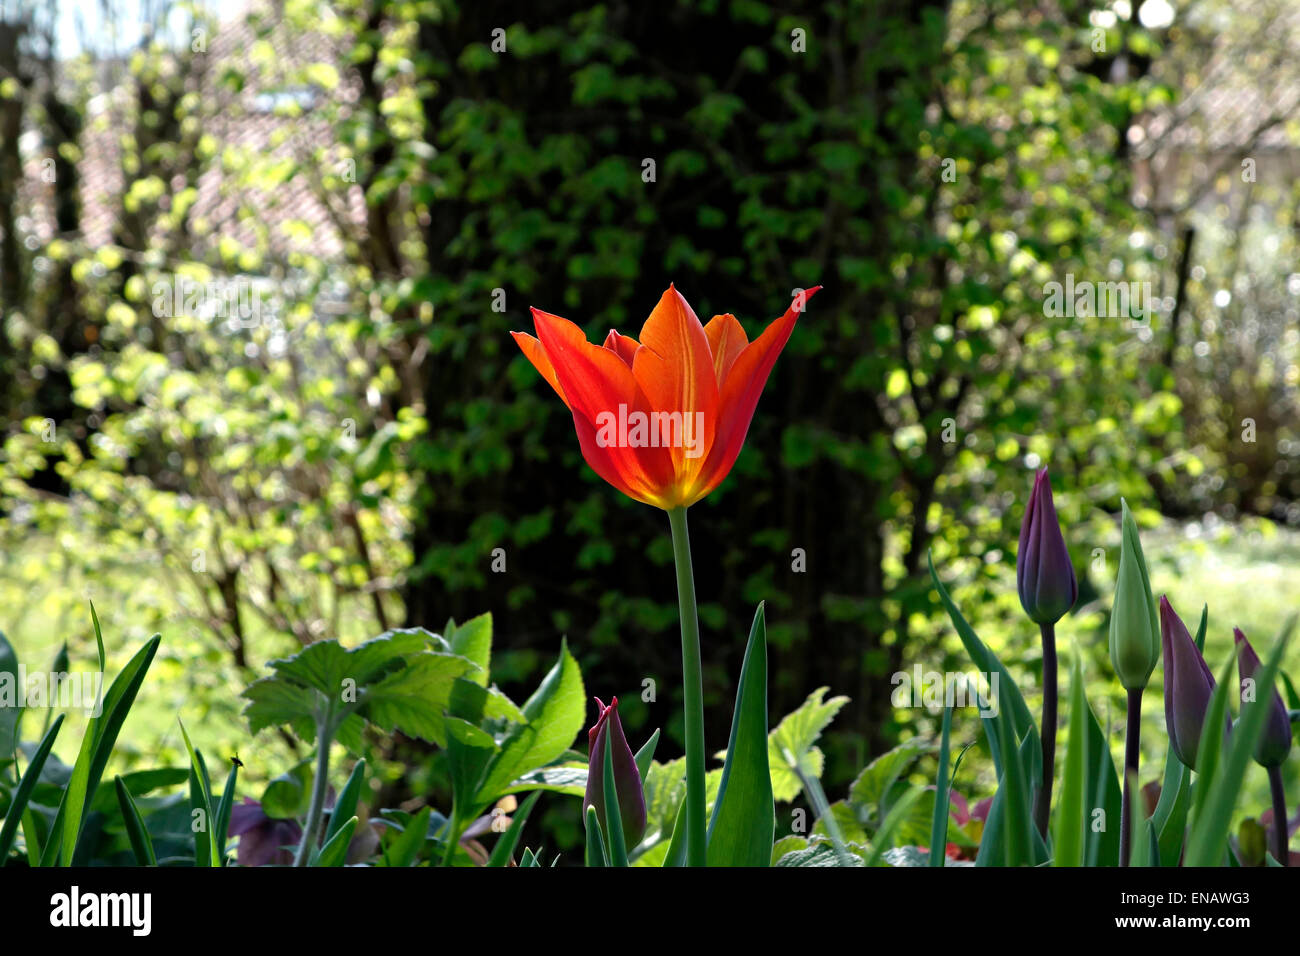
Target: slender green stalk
x=692, y=689
x=320, y=787
x=1043, y=805
x=822, y=807
x=1132, y=741
x=1279, y=814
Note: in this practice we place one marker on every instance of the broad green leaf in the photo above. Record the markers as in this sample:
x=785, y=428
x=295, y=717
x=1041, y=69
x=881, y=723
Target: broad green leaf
x=556, y=709
x=875, y=785
x=473, y=641
x=821, y=853
x=392, y=680
x=325, y=665
x=744, y=815
x=554, y=716
x=567, y=778
x=288, y=795
x=414, y=698
x=791, y=746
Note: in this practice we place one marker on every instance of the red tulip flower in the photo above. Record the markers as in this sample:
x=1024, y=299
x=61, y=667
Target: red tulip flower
x=661, y=418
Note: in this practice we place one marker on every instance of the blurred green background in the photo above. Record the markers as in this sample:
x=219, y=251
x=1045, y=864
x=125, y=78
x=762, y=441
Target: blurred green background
x=392, y=184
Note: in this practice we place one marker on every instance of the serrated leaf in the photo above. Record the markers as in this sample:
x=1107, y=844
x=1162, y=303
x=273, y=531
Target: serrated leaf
x=473, y=641
x=792, y=744
x=818, y=854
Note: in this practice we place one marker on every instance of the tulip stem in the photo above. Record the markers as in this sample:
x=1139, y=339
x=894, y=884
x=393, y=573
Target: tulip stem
x=1043, y=806
x=1279, y=815
x=692, y=689
x=1132, y=741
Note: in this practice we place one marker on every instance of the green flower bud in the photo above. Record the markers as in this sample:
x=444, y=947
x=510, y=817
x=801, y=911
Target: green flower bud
x=1134, y=624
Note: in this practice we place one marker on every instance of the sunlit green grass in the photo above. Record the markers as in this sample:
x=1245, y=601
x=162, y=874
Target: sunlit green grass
x=45, y=589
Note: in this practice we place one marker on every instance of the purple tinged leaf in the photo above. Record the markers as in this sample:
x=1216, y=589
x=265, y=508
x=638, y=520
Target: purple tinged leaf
x=1275, y=742
x=1189, y=685
x=627, y=779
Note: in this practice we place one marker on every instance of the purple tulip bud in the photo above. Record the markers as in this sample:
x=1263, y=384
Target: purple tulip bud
x=1275, y=743
x=1189, y=685
x=1044, y=574
x=627, y=779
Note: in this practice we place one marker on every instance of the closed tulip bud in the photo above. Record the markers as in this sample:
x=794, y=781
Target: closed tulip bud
x=1044, y=574
x=627, y=779
x=1275, y=743
x=1189, y=685
x=1134, y=628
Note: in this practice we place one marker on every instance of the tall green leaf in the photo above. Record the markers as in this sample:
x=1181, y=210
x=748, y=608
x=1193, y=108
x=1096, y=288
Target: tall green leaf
x=505, y=846
x=616, y=845
x=744, y=814
x=1208, y=839
x=1070, y=816
x=942, y=796
x=22, y=795
x=136, y=831
x=96, y=747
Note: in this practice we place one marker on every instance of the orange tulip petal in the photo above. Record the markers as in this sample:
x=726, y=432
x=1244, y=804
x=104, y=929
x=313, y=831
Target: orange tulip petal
x=727, y=340
x=740, y=394
x=674, y=368
x=622, y=345
x=534, y=352
x=598, y=383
